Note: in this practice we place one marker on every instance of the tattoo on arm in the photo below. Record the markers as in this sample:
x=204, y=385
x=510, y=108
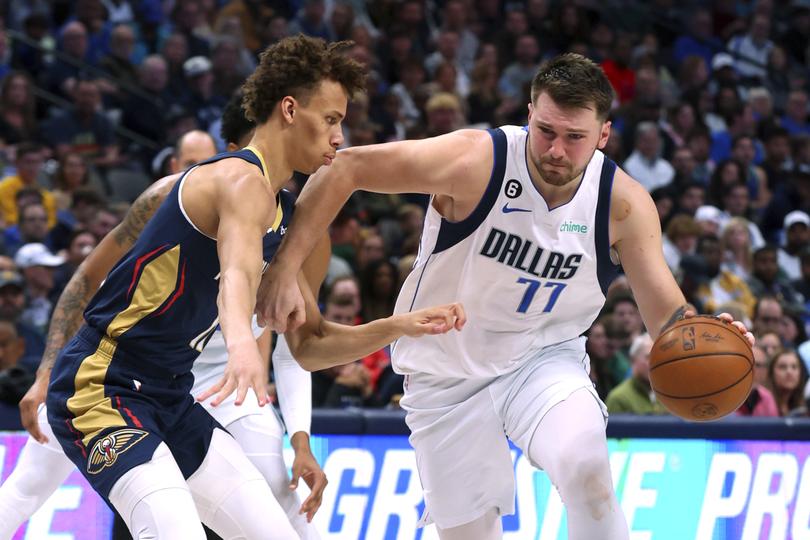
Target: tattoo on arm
x=67, y=317
x=138, y=215
x=675, y=316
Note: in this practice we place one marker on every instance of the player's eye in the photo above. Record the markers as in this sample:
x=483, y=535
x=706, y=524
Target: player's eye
x=576, y=136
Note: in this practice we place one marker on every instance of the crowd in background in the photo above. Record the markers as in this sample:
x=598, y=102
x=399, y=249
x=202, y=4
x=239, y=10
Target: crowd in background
x=711, y=116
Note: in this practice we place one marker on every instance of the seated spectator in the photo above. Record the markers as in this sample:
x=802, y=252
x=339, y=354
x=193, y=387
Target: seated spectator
x=15, y=380
x=723, y=286
x=795, y=120
x=80, y=245
x=12, y=304
x=62, y=76
x=737, y=248
x=104, y=221
x=33, y=227
x=600, y=353
x=29, y=163
x=341, y=386
x=378, y=286
x=760, y=402
x=634, y=395
x=766, y=280
x=118, y=63
x=17, y=109
x=84, y=129
x=71, y=175
x=200, y=96
x=38, y=266
x=682, y=233
x=645, y=164
x=797, y=238
x=787, y=376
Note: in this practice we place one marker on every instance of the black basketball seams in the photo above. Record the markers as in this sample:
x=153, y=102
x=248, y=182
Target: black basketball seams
x=719, y=391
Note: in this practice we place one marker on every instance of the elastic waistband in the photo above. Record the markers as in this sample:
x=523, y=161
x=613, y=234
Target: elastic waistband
x=103, y=343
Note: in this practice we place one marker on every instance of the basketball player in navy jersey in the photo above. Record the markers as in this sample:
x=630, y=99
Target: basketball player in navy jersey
x=526, y=226
x=43, y=466
x=118, y=400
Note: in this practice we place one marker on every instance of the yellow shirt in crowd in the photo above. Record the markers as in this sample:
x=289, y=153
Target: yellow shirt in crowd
x=9, y=187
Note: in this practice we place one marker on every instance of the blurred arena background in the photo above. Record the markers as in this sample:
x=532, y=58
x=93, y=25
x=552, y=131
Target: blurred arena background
x=711, y=117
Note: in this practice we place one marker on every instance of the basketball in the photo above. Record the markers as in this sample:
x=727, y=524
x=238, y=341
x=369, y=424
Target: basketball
x=701, y=368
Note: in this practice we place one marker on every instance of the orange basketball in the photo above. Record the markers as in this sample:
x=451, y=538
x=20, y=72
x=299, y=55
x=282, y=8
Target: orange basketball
x=701, y=368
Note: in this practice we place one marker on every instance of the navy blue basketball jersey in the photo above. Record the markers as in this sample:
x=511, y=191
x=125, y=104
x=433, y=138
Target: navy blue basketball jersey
x=158, y=304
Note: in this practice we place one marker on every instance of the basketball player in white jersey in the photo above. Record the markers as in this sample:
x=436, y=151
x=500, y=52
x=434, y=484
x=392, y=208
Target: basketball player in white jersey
x=43, y=467
x=525, y=227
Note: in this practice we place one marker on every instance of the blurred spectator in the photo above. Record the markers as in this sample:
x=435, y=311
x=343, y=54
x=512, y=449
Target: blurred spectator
x=761, y=102
x=341, y=386
x=600, y=353
x=767, y=319
x=15, y=379
x=726, y=174
x=455, y=19
x=12, y=304
x=723, y=286
x=664, y=200
x=645, y=163
x=625, y=311
x=29, y=166
x=745, y=149
x=777, y=162
x=680, y=123
x=378, y=286
x=760, y=402
x=634, y=395
x=118, y=62
x=32, y=227
x=93, y=15
x=80, y=245
x=692, y=194
x=411, y=76
x=483, y=101
x=71, y=175
x=787, y=376
x=62, y=75
x=186, y=18
x=795, y=121
x=519, y=73
x=310, y=20
x=35, y=26
x=778, y=82
x=201, y=97
x=84, y=129
x=711, y=219
x=227, y=67
x=794, y=39
x=144, y=113
x=751, y=49
x=680, y=239
x=737, y=248
x=444, y=114
x=102, y=222
x=766, y=280
x=699, y=142
x=254, y=18
x=698, y=39
x=618, y=70
x=175, y=52
x=192, y=148
x=17, y=109
x=797, y=238
x=38, y=266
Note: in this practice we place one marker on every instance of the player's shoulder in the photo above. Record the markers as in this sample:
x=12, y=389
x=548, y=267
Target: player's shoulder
x=629, y=198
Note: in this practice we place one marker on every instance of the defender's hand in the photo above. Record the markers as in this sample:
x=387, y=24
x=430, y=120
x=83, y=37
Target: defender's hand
x=279, y=303
x=306, y=466
x=435, y=320
x=29, y=405
x=244, y=370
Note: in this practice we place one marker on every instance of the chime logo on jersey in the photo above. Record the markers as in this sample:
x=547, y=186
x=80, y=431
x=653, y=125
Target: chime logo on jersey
x=107, y=449
x=512, y=250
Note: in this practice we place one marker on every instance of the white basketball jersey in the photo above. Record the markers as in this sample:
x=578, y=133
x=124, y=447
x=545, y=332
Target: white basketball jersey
x=527, y=275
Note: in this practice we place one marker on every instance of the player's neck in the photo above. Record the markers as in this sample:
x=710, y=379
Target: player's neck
x=270, y=144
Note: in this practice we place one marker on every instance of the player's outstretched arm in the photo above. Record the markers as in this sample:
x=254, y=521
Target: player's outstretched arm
x=243, y=209
x=636, y=234
x=445, y=165
x=67, y=315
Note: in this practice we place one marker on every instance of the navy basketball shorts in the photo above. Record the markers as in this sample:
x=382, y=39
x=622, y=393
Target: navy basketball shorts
x=109, y=418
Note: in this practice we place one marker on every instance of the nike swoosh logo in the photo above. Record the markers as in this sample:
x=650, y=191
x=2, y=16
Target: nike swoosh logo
x=507, y=210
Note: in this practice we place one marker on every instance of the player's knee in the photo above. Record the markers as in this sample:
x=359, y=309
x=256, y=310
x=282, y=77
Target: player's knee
x=168, y=513
x=584, y=468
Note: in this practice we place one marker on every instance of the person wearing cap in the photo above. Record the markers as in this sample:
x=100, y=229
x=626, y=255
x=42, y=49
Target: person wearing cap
x=38, y=266
x=796, y=227
x=201, y=97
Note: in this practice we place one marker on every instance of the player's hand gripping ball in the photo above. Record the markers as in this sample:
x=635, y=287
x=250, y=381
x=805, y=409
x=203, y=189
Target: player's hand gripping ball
x=701, y=368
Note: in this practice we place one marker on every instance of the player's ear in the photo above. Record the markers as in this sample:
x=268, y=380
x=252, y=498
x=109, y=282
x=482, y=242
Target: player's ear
x=288, y=106
x=604, y=134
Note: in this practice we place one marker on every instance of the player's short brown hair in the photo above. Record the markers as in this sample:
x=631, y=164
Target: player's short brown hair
x=574, y=81
x=294, y=67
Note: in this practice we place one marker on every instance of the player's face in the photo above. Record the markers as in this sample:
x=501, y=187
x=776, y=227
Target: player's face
x=562, y=141
x=318, y=127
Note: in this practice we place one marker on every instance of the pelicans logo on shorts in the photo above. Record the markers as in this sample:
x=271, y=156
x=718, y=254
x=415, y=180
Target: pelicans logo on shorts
x=107, y=449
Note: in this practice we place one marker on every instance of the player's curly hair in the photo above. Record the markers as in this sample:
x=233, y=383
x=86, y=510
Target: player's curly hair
x=572, y=80
x=234, y=124
x=294, y=67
